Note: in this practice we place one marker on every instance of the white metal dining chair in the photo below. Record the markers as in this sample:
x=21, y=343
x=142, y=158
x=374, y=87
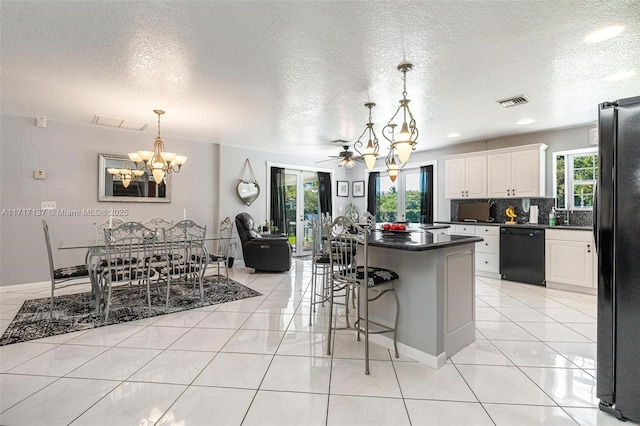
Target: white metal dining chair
x=126, y=248
x=185, y=255
x=62, y=275
x=350, y=269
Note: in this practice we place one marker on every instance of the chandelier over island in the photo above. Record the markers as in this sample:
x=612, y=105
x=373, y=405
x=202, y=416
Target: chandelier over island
x=370, y=152
x=405, y=141
x=158, y=162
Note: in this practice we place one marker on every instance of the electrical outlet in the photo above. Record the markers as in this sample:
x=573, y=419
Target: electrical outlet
x=39, y=174
x=48, y=205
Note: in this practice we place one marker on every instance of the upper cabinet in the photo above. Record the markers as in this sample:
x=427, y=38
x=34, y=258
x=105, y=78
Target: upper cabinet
x=466, y=177
x=500, y=173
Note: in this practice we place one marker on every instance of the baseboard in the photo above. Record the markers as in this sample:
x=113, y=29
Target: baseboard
x=422, y=357
x=488, y=274
x=574, y=288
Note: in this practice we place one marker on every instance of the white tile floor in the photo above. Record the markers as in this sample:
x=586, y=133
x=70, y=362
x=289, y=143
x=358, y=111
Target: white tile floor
x=257, y=361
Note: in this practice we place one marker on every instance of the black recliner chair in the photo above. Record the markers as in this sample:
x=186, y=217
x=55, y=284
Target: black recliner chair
x=262, y=253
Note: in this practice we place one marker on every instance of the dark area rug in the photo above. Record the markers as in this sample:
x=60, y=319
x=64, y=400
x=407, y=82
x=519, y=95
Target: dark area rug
x=75, y=312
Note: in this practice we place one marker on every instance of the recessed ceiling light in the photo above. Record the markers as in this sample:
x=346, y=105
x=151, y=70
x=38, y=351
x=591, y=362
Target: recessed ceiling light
x=620, y=75
x=453, y=135
x=525, y=121
x=604, y=34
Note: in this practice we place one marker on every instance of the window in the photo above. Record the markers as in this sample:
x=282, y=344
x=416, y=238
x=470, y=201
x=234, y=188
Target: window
x=400, y=200
x=576, y=173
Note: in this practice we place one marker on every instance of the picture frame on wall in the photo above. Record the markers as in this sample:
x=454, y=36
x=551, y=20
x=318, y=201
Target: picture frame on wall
x=358, y=188
x=343, y=188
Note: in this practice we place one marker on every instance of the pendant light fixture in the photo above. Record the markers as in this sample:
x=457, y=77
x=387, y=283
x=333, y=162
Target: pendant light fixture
x=393, y=166
x=370, y=152
x=158, y=162
x=405, y=142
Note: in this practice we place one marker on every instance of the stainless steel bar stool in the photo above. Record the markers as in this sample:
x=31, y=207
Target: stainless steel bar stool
x=350, y=268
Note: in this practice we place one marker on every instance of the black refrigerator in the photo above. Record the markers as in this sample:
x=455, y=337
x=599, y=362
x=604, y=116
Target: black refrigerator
x=617, y=237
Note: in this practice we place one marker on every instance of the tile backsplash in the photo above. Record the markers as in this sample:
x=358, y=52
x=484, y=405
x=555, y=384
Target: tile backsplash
x=498, y=207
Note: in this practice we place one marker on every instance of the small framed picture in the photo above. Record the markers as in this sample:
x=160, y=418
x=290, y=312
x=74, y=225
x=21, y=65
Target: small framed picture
x=343, y=188
x=358, y=188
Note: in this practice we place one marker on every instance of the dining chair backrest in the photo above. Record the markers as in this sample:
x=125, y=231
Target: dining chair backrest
x=184, y=247
x=126, y=248
x=158, y=223
x=47, y=240
x=111, y=223
x=226, y=229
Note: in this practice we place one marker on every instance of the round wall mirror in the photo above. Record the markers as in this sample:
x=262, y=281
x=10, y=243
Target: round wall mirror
x=248, y=192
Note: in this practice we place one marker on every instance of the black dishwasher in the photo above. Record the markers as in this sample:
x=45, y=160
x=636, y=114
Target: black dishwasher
x=522, y=255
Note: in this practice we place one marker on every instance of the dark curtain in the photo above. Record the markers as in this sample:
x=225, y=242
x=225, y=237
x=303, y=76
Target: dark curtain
x=373, y=188
x=324, y=192
x=426, y=194
x=277, y=199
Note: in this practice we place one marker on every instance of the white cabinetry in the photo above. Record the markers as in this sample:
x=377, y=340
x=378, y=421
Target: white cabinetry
x=570, y=260
x=487, y=251
x=466, y=177
x=519, y=173
x=500, y=173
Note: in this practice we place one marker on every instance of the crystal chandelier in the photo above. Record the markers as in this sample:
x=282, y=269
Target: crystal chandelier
x=405, y=141
x=370, y=152
x=158, y=162
x=126, y=174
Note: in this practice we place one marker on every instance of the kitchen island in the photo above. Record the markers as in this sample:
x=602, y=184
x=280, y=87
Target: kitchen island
x=436, y=291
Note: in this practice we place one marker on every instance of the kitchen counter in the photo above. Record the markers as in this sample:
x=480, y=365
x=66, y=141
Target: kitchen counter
x=418, y=240
x=521, y=225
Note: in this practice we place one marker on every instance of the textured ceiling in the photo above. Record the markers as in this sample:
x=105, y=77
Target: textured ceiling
x=285, y=76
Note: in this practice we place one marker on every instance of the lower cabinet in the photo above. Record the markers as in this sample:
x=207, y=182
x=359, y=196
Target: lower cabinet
x=570, y=260
x=487, y=251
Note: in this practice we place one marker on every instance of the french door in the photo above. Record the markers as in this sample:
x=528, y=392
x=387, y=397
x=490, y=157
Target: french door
x=301, y=206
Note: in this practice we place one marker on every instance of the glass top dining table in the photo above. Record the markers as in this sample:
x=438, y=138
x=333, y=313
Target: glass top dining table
x=95, y=252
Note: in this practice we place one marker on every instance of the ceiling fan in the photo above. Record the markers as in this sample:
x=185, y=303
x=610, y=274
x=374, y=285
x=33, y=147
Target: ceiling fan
x=346, y=156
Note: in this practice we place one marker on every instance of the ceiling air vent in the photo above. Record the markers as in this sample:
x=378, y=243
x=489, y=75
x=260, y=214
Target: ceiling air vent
x=513, y=101
x=119, y=122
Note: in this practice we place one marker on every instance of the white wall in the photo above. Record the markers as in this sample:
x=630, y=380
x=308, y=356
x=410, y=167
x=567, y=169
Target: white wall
x=69, y=154
x=206, y=187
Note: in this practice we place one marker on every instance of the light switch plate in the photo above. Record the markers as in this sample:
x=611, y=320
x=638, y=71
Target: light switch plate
x=48, y=205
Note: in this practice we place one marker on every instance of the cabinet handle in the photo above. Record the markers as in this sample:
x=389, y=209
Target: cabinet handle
x=486, y=244
x=486, y=261
x=462, y=193
x=588, y=248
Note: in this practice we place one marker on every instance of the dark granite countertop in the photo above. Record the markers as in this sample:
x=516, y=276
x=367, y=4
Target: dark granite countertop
x=418, y=240
x=521, y=225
